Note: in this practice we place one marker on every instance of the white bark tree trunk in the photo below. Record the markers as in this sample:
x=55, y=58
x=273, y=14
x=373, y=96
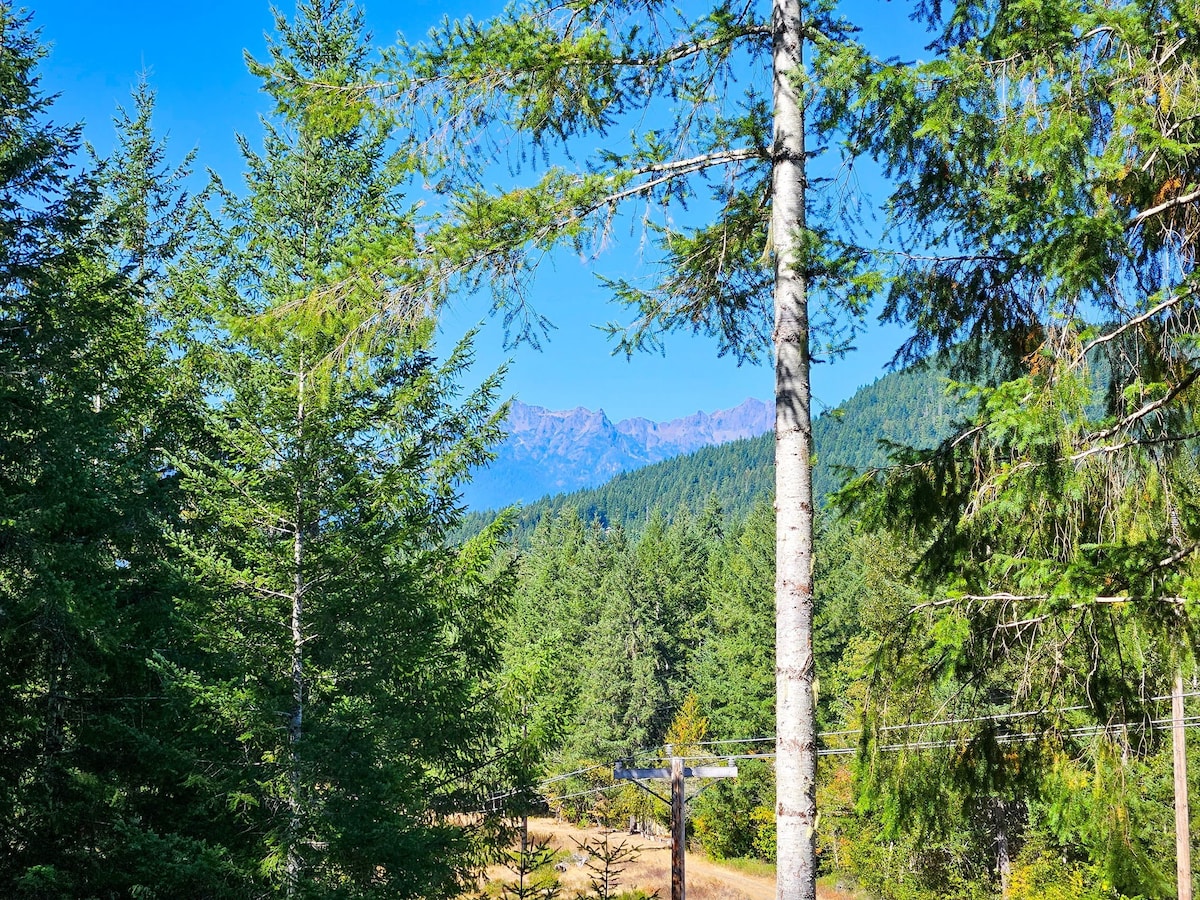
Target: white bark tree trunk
x=296, y=719
x=795, y=701
x=1183, y=836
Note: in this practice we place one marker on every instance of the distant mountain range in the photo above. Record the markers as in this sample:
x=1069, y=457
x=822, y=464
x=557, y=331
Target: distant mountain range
x=909, y=407
x=553, y=452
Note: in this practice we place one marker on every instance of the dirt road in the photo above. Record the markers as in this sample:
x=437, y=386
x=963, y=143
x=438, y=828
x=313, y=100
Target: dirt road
x=706, y=880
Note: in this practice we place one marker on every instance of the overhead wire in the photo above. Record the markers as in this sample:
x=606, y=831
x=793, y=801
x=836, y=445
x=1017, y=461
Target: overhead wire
x=597, y=790
x=1013, y=738
x=652, y=752
x=513, y=792
x=933, y=744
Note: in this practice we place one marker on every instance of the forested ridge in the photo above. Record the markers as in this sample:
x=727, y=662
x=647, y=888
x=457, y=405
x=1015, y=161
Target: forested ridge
x=250, y=643
x=916, y=407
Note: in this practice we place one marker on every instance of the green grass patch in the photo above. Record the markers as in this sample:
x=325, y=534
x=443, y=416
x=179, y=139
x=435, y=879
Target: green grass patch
x=749, y=865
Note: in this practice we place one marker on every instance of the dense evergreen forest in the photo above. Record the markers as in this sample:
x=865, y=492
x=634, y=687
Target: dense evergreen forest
x=239, y=658
x=620, y=645
x=252, y=646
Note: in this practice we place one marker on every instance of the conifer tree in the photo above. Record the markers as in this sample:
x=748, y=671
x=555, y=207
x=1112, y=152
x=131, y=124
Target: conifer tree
x=144, y=200
x=92, y=790
x=1047, y=200
x=734, y=663
x=1046, y=169
x=556, y=607
x=343, y=645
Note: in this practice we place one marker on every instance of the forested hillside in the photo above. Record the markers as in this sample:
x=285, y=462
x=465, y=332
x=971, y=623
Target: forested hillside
x=913, y=407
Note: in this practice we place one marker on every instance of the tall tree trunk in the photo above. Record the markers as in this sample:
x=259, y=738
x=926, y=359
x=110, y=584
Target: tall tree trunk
x=1183, y=837
x=1000, y=817
x=296, y=719
x=795, y=703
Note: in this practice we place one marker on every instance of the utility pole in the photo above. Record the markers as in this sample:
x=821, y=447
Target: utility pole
x=1183, y=838
x=524, y=805
x=678, y=830
x=677, y=773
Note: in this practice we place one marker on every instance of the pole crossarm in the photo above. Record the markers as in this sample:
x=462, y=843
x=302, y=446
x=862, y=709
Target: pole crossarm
x=677, y=774
x=688, y=772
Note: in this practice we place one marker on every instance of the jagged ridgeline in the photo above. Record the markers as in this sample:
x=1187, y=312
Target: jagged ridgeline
x=910, y=407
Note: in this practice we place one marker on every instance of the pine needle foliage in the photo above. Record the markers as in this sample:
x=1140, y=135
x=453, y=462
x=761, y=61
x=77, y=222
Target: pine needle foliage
x=1046, y=198
x=1037, y=169
x=528, y=94
x=342, y=645
x=91, y=780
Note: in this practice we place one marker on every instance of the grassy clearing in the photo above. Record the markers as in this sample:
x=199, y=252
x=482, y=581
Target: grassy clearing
x=831, y=887
x=749, y=866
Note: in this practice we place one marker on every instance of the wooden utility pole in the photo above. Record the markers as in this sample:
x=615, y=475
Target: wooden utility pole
x=1183, y=837
x=677, y=773
x=678, y=830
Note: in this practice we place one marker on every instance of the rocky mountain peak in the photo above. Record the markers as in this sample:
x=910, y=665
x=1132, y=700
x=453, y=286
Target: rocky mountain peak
x=551, y=451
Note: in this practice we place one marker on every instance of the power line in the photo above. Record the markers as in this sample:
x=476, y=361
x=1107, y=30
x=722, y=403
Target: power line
x=933, y=744
x=517, y=791
x=971, y=720
x=1014, y=738
x=567, y=775
x=598, y=790
x=754, y=740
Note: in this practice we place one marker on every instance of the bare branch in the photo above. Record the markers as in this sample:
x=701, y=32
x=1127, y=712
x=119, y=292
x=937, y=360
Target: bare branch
x=675, y=169
x=1177, y=556
x=258, y=589
x=1004, y=597
x=1137, y=320
x=683, y=51
x=1125, y=445
x=1149, y=408
x=1145, y=214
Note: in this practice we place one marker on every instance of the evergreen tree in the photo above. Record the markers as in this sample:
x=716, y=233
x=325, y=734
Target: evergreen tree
x=735, y=663
x=1045, y=167
x=92, y=782
x=1046, y=199
x=144, y=202
x=555, y=606
x=343, y=649
x=623, y=697
x=1060, y=202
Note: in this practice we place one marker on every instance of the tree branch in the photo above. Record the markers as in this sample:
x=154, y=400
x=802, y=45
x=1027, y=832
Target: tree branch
x=1149, y=408
x=1136, y=320
x=1125, y=445
x=1145, y=214
x=1004, y=597
x=675, y=169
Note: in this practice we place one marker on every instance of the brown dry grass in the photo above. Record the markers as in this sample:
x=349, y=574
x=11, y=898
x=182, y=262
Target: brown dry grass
x=706, y=880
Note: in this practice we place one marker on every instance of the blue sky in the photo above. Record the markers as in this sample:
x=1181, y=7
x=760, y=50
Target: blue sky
x=193, y=53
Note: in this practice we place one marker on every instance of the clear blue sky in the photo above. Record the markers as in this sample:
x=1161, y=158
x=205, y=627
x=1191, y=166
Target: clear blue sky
x=193, y=53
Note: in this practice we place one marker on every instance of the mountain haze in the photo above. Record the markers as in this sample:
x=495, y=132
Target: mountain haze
x=552, y=452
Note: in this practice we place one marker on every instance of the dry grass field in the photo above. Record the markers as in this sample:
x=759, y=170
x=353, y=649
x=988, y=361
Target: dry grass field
x=706, y=880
